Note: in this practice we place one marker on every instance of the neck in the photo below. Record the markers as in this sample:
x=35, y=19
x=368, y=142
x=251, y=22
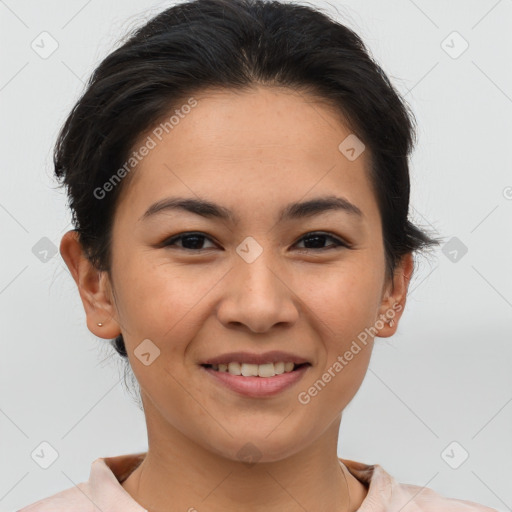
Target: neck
x=179, y=472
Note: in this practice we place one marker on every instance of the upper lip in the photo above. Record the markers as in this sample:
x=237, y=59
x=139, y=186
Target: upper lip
x=273, y=356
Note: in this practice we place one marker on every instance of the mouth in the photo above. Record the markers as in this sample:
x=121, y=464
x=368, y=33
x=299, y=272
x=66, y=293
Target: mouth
x=255, y=381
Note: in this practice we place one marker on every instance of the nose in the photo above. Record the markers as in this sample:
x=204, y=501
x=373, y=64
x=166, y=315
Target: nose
x=258, y=296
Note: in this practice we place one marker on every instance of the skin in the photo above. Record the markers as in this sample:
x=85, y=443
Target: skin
x=252, y=152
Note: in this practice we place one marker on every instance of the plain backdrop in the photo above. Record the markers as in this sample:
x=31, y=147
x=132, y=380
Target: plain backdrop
x=438, y=392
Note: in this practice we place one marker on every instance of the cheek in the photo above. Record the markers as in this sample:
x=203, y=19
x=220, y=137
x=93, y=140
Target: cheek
x=345, y=297
x=149, y=289
x=163, y=301
x=344, y=304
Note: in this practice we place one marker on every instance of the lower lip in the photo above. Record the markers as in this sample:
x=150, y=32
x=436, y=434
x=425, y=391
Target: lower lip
x=257, y=387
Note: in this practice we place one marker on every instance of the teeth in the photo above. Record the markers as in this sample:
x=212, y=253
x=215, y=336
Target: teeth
x=255, y=370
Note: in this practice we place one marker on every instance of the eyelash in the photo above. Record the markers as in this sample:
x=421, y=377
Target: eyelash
x=339, y=242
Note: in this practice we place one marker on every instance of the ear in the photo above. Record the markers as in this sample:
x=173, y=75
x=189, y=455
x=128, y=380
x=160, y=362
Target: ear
x=394, y=297
x=93, y=286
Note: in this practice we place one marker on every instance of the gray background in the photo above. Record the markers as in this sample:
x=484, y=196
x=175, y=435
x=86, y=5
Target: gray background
x=444, y=377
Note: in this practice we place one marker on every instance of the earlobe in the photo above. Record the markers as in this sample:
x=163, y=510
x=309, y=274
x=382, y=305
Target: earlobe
x=393, y=303
x=92, y=286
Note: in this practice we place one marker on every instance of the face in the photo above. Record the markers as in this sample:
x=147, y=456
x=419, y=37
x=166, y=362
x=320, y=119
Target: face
x=250, y=275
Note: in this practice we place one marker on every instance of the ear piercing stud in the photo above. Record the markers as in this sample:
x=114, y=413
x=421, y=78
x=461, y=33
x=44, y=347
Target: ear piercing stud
x=391, y=323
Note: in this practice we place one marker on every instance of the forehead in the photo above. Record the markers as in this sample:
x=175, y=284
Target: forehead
x=250, y=148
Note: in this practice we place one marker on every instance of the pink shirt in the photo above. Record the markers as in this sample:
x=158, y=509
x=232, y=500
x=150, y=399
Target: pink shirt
x=104, y=490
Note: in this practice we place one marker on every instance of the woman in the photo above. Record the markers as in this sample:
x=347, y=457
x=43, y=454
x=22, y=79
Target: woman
x=238, y=177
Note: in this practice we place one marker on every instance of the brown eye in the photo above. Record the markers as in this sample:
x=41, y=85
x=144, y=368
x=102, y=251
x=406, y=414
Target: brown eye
x=317, y=241
x=189, y=241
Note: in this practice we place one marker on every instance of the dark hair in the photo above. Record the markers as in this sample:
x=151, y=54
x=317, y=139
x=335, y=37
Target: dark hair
x=232, y=44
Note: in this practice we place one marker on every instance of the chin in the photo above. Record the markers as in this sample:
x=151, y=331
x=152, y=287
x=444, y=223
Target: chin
x=253, y=447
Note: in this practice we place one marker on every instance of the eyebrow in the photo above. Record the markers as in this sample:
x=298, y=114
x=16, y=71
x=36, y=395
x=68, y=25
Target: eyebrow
x=292, y=211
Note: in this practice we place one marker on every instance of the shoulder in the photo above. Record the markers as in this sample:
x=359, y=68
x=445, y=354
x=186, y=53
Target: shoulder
x=73, y=498
x=100, y=492
x=385, y=493
x=427, y=500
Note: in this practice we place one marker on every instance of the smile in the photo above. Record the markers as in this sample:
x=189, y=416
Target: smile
x=245, y=379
